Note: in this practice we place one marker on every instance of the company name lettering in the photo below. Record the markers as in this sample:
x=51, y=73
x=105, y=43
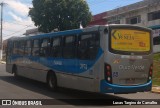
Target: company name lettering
x=126, y=37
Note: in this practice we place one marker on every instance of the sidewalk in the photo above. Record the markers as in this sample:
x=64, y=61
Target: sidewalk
x=2, y=62
x=156, y=89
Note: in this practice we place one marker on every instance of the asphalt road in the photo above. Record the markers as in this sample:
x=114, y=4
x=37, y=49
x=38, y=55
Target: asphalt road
x=23, y=88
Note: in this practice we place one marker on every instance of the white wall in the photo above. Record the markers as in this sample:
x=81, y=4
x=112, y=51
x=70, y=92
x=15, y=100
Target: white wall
x=156, y=48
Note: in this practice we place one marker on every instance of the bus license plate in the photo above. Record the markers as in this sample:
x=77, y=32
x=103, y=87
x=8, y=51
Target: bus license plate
x=130, y=81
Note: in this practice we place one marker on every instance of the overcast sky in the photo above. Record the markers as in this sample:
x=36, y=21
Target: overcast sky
x=16, y=20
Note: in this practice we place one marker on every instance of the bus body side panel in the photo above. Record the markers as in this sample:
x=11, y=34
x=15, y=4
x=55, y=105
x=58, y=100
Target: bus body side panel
x=87, y=73
x=81, y=74
x=76, y=74
x=31, y=73
x=29, y=68
x=75, y=82
x=8, y=58
x=71, y=73
x=100, y=72
x=9, y=65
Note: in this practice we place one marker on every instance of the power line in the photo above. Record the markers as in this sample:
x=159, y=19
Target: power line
x=18, y=23
x=16, y=32
x=8, y=30
x=4, y=34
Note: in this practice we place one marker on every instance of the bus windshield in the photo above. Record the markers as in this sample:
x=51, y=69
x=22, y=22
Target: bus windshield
x=130, y=40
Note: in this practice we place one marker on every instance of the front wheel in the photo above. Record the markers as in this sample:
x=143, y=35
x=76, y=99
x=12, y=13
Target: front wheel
x=52, y=81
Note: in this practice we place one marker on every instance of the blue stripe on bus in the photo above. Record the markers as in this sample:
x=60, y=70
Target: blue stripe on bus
x=60, y=64
x=111, y=88
x=62, y=33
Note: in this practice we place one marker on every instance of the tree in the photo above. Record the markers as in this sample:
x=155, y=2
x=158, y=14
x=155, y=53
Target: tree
x=59, y=14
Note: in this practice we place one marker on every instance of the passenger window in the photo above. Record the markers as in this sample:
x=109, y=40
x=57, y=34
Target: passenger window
x=28, y=48
x=56, y=48
x=15, y=47
x=69, y=47
x=88, y=46
x=45, y=47
x=35, y=48
x=21, y=47
x=10, y=48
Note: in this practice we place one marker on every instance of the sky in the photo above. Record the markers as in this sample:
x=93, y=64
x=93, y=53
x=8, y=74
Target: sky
x=16, y=20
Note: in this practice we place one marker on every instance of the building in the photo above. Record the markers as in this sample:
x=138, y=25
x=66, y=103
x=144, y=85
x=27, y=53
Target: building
x=32, y=32
x=98, y=19
x=145, y=13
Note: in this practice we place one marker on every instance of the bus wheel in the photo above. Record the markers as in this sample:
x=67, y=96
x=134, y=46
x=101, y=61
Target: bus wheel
x=14, y=71
x=52, y=81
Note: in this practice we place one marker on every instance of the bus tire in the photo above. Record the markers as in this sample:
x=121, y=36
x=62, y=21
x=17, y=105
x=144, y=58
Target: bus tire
x=52, y=81
x=14, y=71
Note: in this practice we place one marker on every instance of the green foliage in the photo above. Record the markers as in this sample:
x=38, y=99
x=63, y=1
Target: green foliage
x=59, y=14
x=156, y=57
x=156, y=69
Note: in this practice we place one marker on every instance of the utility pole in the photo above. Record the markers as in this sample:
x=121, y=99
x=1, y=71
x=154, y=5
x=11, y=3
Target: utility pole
x=1, y=39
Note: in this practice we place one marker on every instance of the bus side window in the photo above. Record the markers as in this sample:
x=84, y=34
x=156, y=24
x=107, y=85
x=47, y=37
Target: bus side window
x=88, y=46
x=45, y=47
x=35, y=48
x=21, y=47
x=15, y=47
x=56, y=48
x=9, y=48
x=28, y=48
x=94, y=45
x=69, y=47
x=18, y=47
x=13, y=51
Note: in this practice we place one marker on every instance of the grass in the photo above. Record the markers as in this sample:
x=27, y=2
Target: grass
x=156, y=69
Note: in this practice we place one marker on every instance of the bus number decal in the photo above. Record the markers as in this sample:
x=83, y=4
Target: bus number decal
x=57, y=62
x=83, y=66
x=115, y=74
x=26, y=62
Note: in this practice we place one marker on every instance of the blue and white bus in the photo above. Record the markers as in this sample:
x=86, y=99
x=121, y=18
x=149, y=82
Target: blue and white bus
x=105, y=59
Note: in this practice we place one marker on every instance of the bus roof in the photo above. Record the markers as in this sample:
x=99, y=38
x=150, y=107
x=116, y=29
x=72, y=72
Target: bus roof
x=76, y=31
x=54, y=34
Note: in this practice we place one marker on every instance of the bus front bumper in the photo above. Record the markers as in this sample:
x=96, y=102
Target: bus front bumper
x=112, y=88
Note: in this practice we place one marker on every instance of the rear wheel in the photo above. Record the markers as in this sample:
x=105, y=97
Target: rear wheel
x=52, y=81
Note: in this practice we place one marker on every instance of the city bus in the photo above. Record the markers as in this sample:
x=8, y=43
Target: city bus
x=103, y=59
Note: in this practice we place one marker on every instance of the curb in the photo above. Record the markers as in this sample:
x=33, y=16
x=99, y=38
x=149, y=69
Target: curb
x=156, y=89
x=2, y=62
